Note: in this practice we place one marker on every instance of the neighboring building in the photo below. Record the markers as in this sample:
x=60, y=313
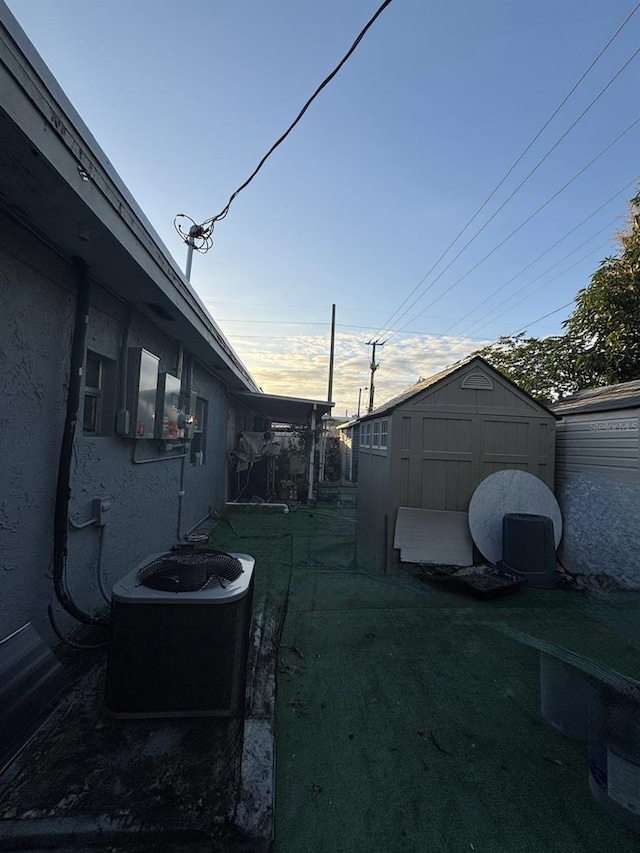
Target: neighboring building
x=349, y=436
x=598, y=433
x=432, y=445
x=99, y=326
x=598, y=481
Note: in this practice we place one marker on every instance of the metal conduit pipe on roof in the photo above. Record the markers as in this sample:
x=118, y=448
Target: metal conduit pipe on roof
x=63, y=489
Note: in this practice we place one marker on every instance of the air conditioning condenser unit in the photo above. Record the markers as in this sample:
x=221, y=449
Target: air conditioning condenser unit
x=179, y=636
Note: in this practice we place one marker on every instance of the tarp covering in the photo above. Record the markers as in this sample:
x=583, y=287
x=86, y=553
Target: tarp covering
x=250, y=448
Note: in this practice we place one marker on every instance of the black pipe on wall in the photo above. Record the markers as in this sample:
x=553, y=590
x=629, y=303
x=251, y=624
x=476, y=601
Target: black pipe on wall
x=63, y=490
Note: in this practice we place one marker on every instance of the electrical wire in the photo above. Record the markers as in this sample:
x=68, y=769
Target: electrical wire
x=206, y=228
x=67, y=640
x=542, y=255
x=103, y=590
x=475, y=323
x=475, y=327
x=538, y=289
x=519, y=227
x=461, y=337
x=394, y=316
x=544, y=317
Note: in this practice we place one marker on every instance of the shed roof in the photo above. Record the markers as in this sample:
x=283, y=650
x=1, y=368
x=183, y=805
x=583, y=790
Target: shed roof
x=431, y=381
x=625, y=395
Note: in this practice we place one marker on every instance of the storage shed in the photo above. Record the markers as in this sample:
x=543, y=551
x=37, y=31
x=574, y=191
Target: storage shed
x=598, y=481
x=432, y=445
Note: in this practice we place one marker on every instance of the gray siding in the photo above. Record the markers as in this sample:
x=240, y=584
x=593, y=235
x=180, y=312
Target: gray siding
x=37, y=300
x=598, y=474
x=600, y=442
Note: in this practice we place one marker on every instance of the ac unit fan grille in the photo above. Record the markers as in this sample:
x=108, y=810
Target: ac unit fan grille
x=191, y=570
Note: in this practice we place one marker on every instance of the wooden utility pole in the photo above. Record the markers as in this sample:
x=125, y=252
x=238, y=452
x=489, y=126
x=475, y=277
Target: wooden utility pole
x=373, y=367
x=333, y=344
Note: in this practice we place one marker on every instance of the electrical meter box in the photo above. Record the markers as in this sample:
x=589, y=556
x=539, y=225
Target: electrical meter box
x=142, y=392
x=168, y=408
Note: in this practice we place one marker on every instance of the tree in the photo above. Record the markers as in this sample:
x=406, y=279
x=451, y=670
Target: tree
x=607, y=315
x=543, y=367
x=601, y=342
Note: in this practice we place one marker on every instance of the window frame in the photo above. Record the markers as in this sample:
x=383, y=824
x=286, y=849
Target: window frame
x=95, y=394
x=384, y=434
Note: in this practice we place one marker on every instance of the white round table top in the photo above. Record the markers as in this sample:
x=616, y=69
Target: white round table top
x=505, y=492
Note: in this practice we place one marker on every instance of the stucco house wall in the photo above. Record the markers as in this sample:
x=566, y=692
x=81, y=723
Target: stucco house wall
x=147, y=514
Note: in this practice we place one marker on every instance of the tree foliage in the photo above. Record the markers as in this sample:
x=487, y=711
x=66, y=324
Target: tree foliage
x=601, y=341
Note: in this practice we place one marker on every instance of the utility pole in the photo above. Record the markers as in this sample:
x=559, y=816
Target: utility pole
x=359, y=401
x=194, y=231
x=333, y=344
x=373, y=367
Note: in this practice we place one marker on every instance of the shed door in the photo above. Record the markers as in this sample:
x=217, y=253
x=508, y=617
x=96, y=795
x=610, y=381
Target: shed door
x=457, y=452
x=447, y=470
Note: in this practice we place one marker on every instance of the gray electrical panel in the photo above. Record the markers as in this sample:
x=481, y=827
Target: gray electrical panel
x=168, y=408
x=142, y=391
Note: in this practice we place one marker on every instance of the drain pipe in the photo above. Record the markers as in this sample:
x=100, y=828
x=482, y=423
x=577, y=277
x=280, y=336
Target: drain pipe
x=63, y=490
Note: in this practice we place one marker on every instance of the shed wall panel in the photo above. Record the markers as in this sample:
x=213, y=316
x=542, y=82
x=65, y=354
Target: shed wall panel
x=372, y=515
x=405, y=433
x=449, y=435
x=445, y=484
x=404, y=481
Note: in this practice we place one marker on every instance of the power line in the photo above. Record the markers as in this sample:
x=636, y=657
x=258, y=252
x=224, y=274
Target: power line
x=522, y=224
x=539, y=320
x=435, y=335
x=461, y=337
x=492, y=217
x=510, y=170
x=542, y=287
x=542, y=255
x=205, y=230
x=475, y=326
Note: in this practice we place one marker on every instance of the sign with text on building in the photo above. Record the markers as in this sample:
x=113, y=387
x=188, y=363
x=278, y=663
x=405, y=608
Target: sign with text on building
x=617, y=425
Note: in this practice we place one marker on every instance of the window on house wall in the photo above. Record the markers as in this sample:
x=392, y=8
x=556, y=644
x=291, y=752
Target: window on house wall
x=384, y=433
x=99, y=395
x=199, y=440
x=367, y=435
x=376, y=434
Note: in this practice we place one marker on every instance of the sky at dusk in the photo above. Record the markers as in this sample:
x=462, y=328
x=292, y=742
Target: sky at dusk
x=390, y=163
